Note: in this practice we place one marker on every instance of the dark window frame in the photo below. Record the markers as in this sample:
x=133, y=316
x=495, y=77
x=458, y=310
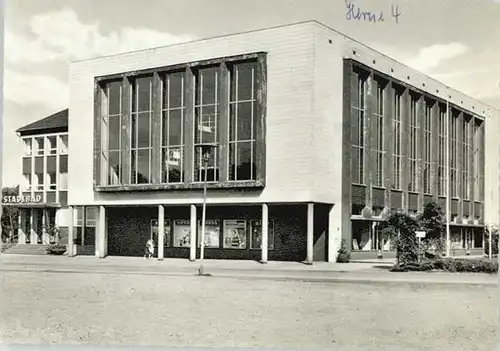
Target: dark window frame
x=397, y=154
x=456, y=145
x=359, y=144
x=189, y=180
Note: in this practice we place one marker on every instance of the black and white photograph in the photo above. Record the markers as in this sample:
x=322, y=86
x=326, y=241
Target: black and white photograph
x=250, y=174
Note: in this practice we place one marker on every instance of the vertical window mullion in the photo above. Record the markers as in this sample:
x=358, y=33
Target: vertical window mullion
x=167, y=153
x=252, y=137
x=216, y=134
x=150, y=150
x=236, y=134
x=182, y=131
x=136, y=131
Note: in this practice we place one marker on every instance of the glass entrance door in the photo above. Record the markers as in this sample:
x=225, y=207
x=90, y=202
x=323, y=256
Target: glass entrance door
x=27, y=224
x=154, y=234
x=39, y=225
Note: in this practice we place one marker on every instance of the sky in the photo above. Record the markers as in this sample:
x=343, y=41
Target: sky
x=454, y=41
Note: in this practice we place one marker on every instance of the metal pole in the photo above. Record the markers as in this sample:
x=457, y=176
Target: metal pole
x=448, y=217
x=489, y=243
x=202, y=244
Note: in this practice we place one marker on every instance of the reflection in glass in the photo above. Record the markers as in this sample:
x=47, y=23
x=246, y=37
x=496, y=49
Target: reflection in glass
x=242, y=122
x=114, y=168
x=114, y=97
x=27, y=146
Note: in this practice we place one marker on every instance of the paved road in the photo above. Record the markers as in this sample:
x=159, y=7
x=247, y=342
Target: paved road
x=319, y=272
x=172, y=311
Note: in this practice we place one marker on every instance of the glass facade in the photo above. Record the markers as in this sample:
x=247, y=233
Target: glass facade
x=85, y=225
x=379, y=133
x=242, y=120
x=427, y=154
x=432, y=141
x=442, y=117
x=396, y=130
x=358, y=128
x=174, y=111
x=45, y=170
x=413, y=141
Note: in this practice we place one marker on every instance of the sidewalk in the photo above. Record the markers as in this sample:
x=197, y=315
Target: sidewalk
x=373, y=272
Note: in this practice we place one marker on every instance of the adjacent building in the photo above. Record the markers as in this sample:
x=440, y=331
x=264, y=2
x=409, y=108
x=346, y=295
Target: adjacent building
x=318, y=138
x=43, y=185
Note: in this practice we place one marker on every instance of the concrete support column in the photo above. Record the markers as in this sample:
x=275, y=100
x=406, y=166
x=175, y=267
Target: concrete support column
x=102, y=234
x=192, y=247
x=369, y=137
x=161, y=231
x=388, y=143
x=405, y=132
x=71, y=232
x=436, y=109
x=460, y=164
x=21, y=235
x=33, y=226
x=265, y=233
x=45, y=224
x=338, y=219
x=310, y=233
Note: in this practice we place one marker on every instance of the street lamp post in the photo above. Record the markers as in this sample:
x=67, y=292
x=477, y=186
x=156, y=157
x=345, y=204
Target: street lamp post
x=206, y=150
x=489, y=241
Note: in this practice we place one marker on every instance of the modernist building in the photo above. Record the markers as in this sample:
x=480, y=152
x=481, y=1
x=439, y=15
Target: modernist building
x=43, y=185
x=318, y=135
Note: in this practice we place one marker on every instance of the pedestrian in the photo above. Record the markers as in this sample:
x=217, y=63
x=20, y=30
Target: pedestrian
x=149, y=249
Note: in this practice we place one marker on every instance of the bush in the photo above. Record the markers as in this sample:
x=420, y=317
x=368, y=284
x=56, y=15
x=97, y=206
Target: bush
x=56, y=249
x=402, y=228
x=433, y=222
x=413, y=267
x=343, y=254
x=465, y=265
x=450, y=265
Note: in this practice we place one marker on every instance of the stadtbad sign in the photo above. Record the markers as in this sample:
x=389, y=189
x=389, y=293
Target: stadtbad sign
x=20, y=199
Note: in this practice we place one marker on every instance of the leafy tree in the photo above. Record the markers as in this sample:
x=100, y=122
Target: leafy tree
x=494, y=241
x=402, y=227
x=433, y=222
x=10, y=215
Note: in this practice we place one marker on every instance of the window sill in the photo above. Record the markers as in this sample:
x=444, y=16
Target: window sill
x=191, y=186
x=397, y=190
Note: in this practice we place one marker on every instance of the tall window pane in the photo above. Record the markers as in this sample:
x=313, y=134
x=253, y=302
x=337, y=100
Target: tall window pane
x=454, y=154
x=358, y=142
x=39, y=146
x=379, y=134
x=466, y=147
x=242, y=121
x=206, y=121
x=427, y=147
x=27, y=147
x=396, y=108
x=442, y=151
x=52, y=145
x=173, y=107
x=111, y=121
x=141, y=130
x=413, y=142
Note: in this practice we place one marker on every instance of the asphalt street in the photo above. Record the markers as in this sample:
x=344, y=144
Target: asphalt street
x=179, y=311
